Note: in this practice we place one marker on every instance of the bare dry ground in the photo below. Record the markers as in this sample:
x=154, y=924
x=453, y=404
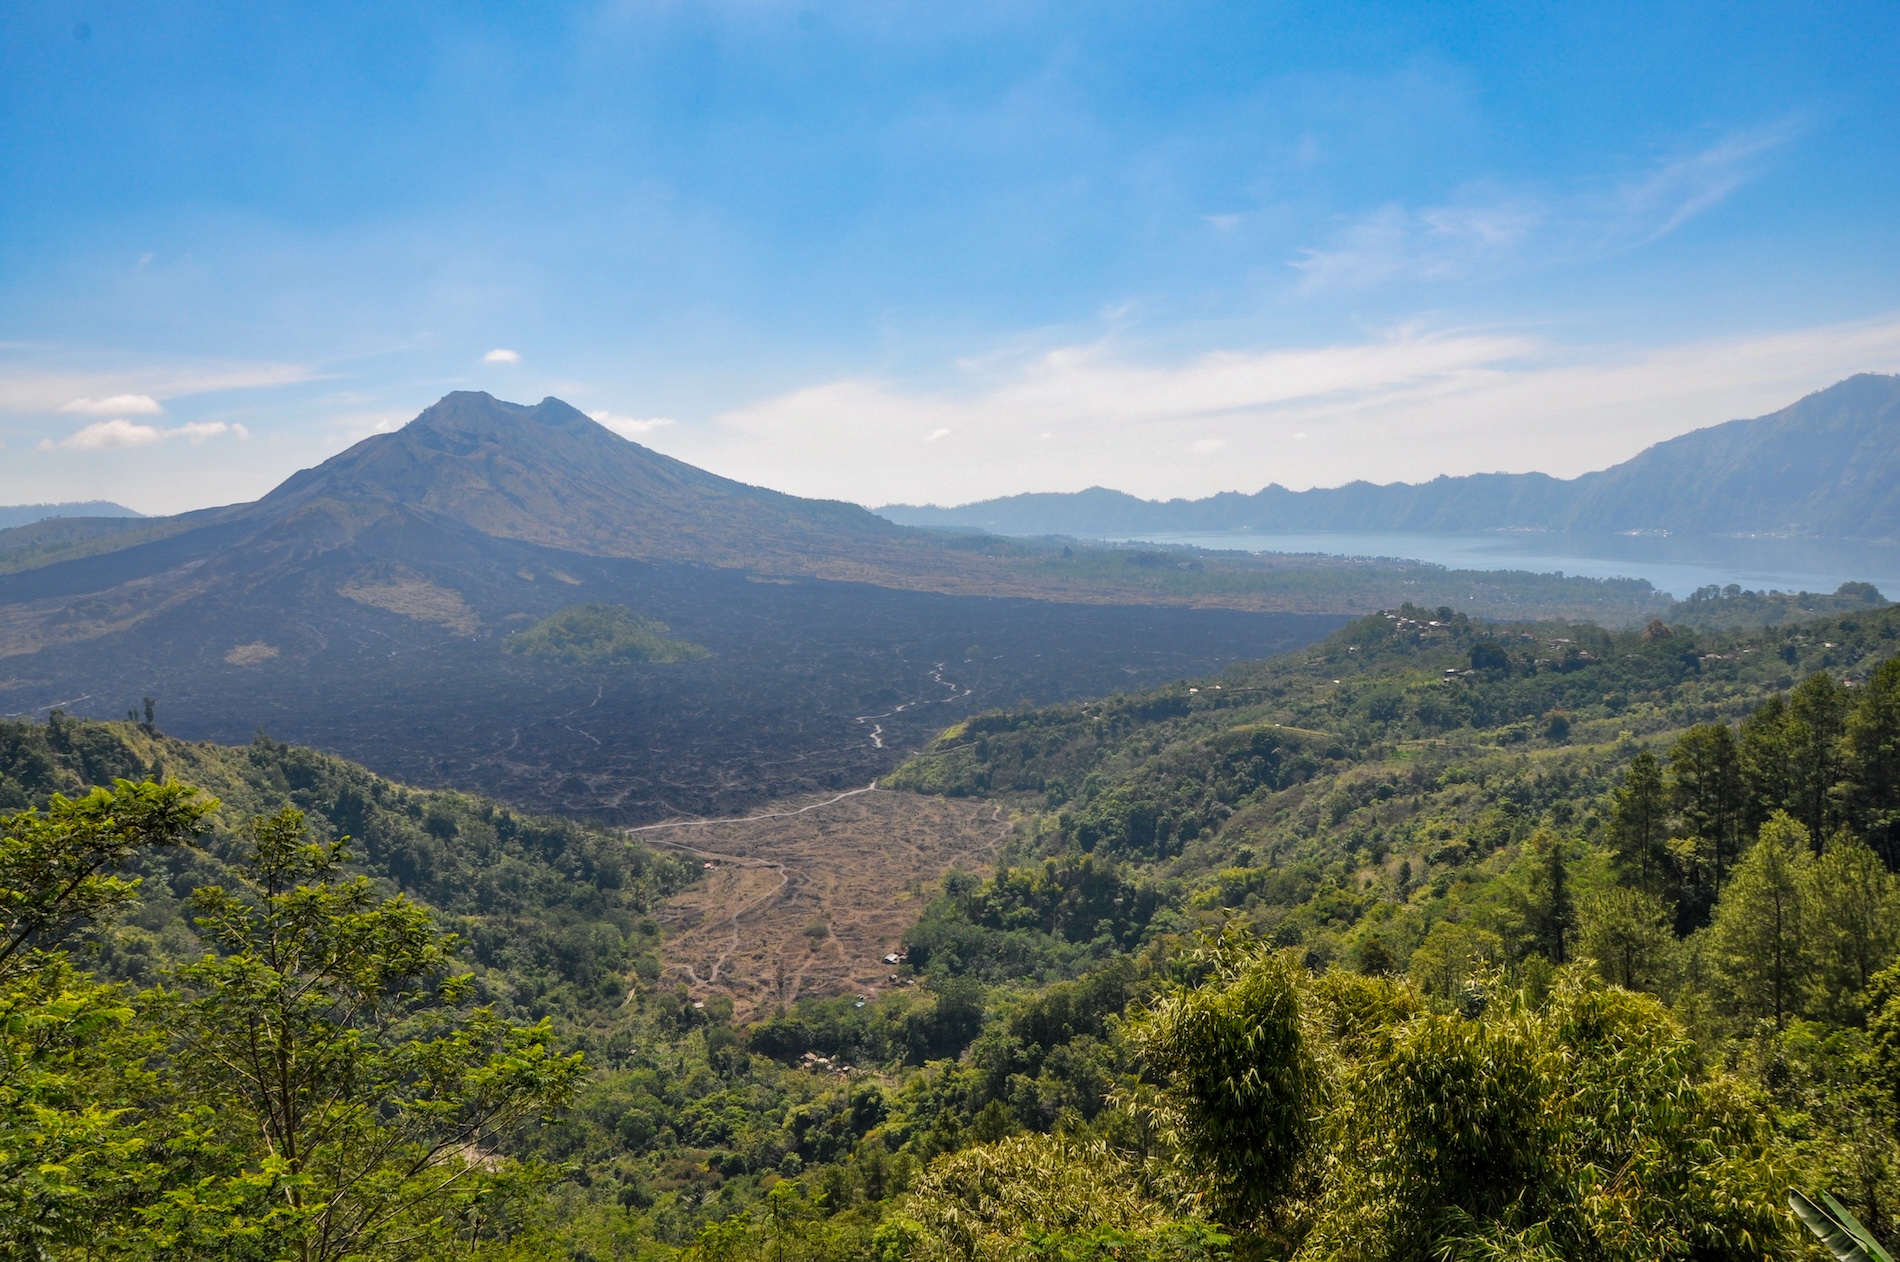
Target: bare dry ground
x=808, y=898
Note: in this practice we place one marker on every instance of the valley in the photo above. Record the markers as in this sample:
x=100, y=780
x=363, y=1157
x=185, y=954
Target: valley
x=790, y=862
x=1366, y=727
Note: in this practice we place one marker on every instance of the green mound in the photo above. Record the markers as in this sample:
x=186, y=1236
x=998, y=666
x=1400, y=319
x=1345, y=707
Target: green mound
x=591, y=635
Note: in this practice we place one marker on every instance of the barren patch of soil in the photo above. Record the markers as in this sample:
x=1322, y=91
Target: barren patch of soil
x=413, y=596
x=807, y=899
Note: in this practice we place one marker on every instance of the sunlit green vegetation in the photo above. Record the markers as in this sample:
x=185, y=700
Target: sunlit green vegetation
x=1437, y=939
x=597, y=635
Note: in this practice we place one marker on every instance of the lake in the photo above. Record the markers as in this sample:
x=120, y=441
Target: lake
x=1673, y=563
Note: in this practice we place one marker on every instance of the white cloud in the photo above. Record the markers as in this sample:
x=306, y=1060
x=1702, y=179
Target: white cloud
x=202, y=430
x=1407, y=406
x=502, y=355
x=120, y=433
x=942, y=431
x=123, y=404
x=631, y=427
x=108, y=435
x=1487, y=229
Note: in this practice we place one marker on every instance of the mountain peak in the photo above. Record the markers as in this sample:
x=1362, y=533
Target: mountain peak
x=548, y=473
x=477, y=411
x=466, y=416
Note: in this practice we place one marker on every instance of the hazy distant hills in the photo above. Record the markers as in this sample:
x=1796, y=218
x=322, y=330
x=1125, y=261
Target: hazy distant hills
x=25, y=514
x=1825, y=467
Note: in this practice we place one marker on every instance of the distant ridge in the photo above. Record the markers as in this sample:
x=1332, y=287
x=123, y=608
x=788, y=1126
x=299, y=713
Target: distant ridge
x=12, y=515
x=1827, y=467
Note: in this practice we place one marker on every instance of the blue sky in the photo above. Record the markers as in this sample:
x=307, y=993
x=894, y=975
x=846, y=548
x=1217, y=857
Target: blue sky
x=935, y=252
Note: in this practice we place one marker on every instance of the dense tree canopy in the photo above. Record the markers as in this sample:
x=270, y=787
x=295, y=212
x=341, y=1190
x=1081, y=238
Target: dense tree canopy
x=1436, y=940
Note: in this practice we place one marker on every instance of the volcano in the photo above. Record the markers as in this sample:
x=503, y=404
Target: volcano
x=366, y=606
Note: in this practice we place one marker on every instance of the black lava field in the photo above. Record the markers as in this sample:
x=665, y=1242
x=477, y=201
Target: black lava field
x=810, y=685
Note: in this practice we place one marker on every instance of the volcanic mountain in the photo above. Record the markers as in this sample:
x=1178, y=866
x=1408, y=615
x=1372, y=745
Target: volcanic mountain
x=549, y=474
x=371, y=606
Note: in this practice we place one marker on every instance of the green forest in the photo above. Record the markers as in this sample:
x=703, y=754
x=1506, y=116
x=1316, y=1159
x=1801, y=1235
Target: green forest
x=1438, y=939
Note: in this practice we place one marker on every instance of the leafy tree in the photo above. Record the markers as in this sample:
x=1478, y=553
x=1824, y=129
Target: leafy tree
x=1241, y=1085
x=1446, y=1125
x=1759, y=943
x=59, y=869
x=1452, y=955
x=1883, y=1033
x=1040, y=1196
x=72, y=1158
x=351, y=1102
x=1586, y=1129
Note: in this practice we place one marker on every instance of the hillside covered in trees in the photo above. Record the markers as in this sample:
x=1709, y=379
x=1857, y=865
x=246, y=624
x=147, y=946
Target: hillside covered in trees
x=1437, y=939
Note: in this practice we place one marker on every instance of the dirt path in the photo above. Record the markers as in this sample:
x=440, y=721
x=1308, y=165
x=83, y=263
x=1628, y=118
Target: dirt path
x=808, y=901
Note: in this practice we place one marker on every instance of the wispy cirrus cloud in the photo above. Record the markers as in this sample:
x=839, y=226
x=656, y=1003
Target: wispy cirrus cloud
x=119, y=433
x=1485, y=229
x=36, y=382
x=1439, y=243
x=1678, y=189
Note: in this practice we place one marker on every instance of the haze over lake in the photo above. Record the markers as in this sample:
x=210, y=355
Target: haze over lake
x=1676, y=564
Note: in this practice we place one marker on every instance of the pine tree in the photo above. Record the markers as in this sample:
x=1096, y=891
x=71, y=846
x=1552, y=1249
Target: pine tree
x=1706, y=792
x=1551, y=913
x=1760, y=949
x=1871, y=757
x=1817, y=714
x=1627, y=933
x=1850, y=900
x=1638, y=823
x=1767, y=767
